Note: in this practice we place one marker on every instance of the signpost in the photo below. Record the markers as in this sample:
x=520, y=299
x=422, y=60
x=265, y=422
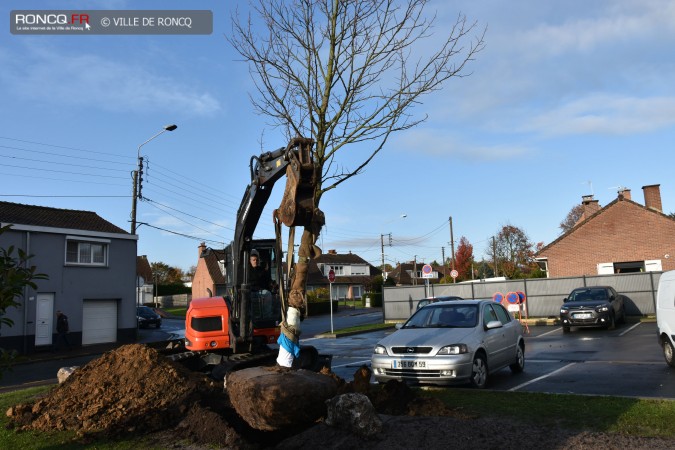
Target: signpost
x=331, y=278
x=454, y=274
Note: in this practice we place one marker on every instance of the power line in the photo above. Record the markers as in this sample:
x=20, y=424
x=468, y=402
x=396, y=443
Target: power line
x=186, y=222
x=182, y=234
x=63, y=171
x=62, y=155
x=59, y=179
x=63, y=147
x=65, y=196
x=190, y=215
x=62, y=163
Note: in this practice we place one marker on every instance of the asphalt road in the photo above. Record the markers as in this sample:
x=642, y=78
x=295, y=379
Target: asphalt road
x=626, y=361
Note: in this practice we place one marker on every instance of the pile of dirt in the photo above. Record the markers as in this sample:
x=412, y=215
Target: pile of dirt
x=130, y=389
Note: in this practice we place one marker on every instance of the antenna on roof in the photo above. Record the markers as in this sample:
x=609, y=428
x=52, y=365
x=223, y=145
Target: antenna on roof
x=590, y=184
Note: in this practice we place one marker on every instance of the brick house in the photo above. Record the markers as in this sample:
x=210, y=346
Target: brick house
x=353, y=274
x=92, y=277
x=410, y=274
x=209, y=278
x=622, y=237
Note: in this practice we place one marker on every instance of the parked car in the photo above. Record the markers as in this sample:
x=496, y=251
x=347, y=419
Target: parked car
x=147, y=316
x=665, y=315
x=429, y=300
x=594, y=306
x=450, y=342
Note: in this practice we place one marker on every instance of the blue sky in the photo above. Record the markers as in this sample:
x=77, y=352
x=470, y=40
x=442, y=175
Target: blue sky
x=567, y=99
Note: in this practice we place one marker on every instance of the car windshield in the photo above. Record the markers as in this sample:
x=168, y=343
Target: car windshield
x=444, y=316
x=582, y=295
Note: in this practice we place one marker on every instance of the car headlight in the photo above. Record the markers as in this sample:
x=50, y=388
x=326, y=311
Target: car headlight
x=380, y=350
x=454, y=349
x=564, y=310
x=602, y=308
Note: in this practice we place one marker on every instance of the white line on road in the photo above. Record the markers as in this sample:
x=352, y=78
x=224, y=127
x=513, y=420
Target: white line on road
x=548, y=332
x=351, y=363
x=630, y=329
x=542, y=377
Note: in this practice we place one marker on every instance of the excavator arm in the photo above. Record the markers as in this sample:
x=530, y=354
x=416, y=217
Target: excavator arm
x=298, y=208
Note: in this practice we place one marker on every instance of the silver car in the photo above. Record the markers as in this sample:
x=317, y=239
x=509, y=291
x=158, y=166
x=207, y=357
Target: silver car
x=451, y=342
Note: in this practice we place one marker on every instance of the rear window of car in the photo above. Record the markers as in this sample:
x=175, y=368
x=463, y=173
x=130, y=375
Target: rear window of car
x=581, y=295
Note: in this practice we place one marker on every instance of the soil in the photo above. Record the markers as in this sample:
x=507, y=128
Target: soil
x=135, y=390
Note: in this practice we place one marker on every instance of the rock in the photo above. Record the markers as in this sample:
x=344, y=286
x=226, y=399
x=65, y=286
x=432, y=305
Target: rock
x=64, y=373
x=353, y=413
x=276, y=398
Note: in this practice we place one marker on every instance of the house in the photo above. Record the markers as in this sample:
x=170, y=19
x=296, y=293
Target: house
x=209, y=278
x=410, y=274
x=622, y=237
x=92, y=276
x=353, y=274
x=144, y=280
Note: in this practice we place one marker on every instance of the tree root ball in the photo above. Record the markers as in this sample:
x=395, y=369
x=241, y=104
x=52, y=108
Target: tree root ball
x=276, y=398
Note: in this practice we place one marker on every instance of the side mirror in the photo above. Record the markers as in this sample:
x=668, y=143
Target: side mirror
x=565, y=300
x=493, y=324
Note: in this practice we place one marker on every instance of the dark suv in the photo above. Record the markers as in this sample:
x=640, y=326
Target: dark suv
x=147, y=316
x=594, y=306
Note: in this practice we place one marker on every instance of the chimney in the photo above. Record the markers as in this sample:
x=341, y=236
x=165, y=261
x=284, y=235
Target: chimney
x=653, y=197
x=202, y=249
x=591, y=205
x=332, y=252
x=624, y=194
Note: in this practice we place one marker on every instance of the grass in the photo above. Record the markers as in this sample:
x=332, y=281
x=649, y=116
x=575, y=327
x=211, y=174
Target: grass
x=362, y=328
x=626, y=416
x=178, y=311
x=622, y=415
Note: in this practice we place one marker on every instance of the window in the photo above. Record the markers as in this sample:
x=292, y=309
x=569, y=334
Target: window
x=339, y=270
x=92, y=253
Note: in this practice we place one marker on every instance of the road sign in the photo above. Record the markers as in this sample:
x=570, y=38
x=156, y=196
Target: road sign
x=427, y=271
x=331, y=275
x=454, y=273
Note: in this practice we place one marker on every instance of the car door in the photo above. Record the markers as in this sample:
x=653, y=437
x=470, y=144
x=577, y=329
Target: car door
x=494, y=339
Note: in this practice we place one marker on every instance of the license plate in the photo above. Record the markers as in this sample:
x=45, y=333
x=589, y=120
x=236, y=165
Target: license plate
x=409, y=364
x=583, y=316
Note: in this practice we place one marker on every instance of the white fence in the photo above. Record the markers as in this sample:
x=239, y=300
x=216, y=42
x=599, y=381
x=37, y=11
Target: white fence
x=543, y=295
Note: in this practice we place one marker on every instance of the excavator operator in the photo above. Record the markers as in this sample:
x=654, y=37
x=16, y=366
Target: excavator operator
x=261, y=283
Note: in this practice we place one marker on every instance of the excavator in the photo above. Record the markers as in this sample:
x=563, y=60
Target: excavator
x=232, y=331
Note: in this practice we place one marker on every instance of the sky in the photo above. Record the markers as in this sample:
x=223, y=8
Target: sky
x=566, y=99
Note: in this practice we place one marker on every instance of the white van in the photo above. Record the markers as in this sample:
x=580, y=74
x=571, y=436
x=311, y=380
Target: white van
x=665, y=315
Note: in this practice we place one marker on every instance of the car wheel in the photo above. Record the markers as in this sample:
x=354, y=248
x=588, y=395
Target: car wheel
x=566, y=329
x=612, y=322
x=479, y=372
x=519, y=365
x=669, y=352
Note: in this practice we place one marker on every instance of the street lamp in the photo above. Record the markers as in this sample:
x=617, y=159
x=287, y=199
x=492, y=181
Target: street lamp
x=136, y=177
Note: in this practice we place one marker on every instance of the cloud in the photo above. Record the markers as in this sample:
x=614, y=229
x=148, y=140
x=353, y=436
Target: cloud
x=436, y=143
x=89, y=80
x=605, y=114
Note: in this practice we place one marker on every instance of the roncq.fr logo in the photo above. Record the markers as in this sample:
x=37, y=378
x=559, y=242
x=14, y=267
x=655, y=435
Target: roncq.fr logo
x=50, y=19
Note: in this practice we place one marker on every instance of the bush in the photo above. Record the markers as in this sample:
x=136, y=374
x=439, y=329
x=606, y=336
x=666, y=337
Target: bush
x=317, y=295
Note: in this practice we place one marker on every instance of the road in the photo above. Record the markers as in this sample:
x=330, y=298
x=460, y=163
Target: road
x=626, y=361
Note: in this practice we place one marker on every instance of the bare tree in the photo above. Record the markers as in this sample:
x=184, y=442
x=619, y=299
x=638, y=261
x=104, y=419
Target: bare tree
x=572, y=218
x=346, y=72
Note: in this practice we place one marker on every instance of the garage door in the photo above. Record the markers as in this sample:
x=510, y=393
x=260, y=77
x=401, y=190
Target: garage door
x=99, y=321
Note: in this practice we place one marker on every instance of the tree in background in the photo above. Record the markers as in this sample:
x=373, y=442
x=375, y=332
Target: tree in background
x=464, y=259
x=15, y=276
x=572, y=218
x=345, y=73
x=514, y=252
x=166, y=274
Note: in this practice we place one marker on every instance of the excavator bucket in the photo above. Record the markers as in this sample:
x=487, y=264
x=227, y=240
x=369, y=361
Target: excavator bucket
x=297, y=205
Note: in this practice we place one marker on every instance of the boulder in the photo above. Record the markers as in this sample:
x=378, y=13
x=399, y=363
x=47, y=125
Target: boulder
x=353, y=413
x=64, y=373
x=276, y=398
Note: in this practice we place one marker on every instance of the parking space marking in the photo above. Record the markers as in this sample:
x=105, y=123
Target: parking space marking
x=351, y=363
x=542, y=377
x=630, y=329
x=548, y=332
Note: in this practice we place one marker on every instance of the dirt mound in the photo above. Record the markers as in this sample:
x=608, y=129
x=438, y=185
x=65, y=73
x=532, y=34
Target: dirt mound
x=130, y=389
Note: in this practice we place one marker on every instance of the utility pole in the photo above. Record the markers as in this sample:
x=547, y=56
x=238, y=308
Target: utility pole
x=414, y=277
x=138, y=174
x=452, y=245
x=443, y=255
x=494, y=254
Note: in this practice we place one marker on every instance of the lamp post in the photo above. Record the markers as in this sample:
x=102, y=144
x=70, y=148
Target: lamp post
x=136, y=177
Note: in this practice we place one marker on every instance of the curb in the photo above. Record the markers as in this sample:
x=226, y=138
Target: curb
x=352, y=333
